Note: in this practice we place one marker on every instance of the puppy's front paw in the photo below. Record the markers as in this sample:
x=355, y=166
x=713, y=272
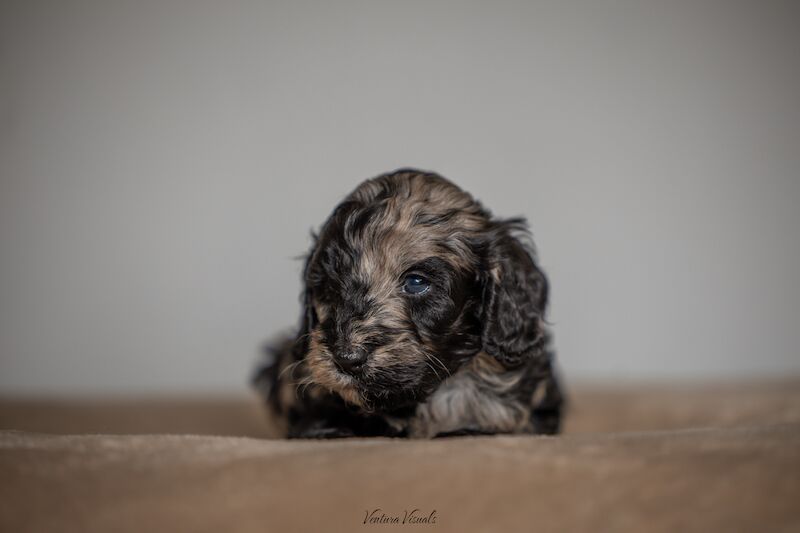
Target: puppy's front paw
x=322, y=433
x=463, y=432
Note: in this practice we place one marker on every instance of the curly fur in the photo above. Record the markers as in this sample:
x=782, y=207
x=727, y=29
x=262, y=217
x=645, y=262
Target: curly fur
x=471, y=355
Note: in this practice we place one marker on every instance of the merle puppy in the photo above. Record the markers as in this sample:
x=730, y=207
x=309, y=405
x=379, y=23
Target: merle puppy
x=423, y=316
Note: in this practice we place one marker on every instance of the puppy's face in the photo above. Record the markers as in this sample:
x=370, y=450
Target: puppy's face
x=396, y=290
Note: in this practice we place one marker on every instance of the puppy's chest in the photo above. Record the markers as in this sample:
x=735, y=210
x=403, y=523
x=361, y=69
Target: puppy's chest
x=474, y=399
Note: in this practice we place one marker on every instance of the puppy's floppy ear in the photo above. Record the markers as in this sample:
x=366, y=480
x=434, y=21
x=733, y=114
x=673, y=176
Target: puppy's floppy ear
x=514, y=296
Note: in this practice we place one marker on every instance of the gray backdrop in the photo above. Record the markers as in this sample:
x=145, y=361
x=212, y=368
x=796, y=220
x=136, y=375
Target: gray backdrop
x=163, y=162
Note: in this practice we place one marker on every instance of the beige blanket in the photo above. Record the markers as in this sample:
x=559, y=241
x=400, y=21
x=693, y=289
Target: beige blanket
x=700, y=458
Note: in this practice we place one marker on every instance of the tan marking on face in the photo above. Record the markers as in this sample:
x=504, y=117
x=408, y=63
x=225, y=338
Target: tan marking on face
x=323, y=372
x=403, y=351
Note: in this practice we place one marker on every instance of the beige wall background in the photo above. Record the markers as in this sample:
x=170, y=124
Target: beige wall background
x=162, y=163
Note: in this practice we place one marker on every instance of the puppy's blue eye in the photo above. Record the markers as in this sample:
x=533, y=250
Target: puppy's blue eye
x=415, y=284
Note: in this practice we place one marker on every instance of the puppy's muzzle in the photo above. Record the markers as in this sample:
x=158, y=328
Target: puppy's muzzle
x=351, y=361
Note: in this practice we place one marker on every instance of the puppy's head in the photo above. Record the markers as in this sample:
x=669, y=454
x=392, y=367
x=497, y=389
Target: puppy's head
x=409, y=278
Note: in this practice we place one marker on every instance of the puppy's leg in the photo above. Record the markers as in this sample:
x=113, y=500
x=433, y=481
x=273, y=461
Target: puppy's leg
x=327, y=416
x=318, y=429
x=464, y=433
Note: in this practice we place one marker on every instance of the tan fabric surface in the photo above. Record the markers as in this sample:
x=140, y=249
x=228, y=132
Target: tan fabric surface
x=723, y=458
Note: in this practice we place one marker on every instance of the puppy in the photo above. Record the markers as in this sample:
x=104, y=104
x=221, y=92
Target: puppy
x=423, y=316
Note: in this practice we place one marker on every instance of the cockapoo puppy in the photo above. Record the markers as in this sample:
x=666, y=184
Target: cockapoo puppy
x=423, y=316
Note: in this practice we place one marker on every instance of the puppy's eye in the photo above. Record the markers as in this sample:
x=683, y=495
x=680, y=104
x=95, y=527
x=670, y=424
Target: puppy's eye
x=415, y=284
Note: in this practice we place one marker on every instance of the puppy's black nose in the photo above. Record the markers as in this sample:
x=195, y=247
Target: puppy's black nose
x=351, y=361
